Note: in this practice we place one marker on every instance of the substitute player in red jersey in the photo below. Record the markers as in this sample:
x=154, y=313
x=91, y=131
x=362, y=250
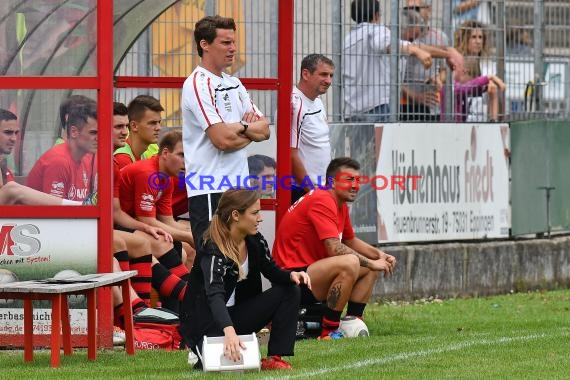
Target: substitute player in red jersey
x=68, y=170
x=316, y=234
x=146, y=187
x=144, y=128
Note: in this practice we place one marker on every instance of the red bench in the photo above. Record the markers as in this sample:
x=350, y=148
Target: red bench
x=57, y=291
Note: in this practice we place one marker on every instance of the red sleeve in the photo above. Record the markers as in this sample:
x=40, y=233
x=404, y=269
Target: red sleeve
x=164, y=204
x=55, y=181
x=116, y=179
x=324, y=218
x=122, y=160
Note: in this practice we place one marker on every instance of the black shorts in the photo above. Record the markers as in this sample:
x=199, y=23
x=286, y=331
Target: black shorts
x=124, y=229
x=307, y=296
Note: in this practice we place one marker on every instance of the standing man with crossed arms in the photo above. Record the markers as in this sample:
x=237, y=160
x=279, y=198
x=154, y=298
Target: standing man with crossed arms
x=218, y=121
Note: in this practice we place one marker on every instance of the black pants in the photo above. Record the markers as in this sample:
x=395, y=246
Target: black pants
x=416, y=112
x=278, y=305
x=201, y=208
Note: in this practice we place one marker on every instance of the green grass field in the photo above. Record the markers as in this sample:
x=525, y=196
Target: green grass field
x=519, y=336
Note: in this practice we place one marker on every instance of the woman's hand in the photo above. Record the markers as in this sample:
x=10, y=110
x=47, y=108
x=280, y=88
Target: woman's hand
x=301, y=278
x=232, y=344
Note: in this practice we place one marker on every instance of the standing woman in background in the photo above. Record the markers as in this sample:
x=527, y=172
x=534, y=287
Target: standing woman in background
x=225, y=296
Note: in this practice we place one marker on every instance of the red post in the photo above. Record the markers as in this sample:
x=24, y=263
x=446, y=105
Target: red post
x=104, y=201
x=285, y=76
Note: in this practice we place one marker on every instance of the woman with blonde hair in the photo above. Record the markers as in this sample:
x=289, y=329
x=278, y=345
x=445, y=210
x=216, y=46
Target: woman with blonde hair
x=472, y=41
x=225, y=297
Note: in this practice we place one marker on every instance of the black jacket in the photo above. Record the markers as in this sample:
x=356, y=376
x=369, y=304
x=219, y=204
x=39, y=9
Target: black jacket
x=212, y=281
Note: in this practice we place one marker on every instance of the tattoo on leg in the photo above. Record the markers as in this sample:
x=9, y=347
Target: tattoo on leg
x=334, y=295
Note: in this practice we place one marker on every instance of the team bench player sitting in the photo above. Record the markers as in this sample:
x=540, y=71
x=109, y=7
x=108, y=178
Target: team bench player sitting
x=316, y=235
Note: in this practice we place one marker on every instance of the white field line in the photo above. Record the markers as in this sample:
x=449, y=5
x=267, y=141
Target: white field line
x=420, y=353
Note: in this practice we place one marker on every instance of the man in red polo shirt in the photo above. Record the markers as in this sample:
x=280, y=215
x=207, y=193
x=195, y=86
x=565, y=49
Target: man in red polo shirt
x=68, y=170
x=316, y=235
x=9, y=131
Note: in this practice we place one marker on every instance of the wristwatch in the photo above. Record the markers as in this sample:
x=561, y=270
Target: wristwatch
x=245, y=126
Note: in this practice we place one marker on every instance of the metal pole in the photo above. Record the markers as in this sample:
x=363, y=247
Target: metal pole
x=500, y=26
x=337, y=43
x=538, y=53
x=395, y=60
x=448, y=87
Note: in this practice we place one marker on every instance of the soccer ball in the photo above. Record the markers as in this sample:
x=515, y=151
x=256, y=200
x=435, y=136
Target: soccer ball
x=353, y=327
x=74, y=299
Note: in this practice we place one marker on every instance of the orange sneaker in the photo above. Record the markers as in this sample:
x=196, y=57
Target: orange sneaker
x=274, y=362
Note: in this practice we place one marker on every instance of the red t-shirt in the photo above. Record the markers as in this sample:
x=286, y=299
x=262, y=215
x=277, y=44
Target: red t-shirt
x=314, y=218
x=9, y=175
x=56, y=173
x=116, y=178
x=122, y=160
x=179, y=198
x=140, y=193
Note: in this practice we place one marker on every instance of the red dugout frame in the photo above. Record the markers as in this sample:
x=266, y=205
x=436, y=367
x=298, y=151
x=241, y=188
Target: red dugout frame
x=104, y=83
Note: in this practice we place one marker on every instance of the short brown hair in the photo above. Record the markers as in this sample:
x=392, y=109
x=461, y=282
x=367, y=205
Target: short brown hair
x=169, y=141
x=205, y=29
x=138, y=106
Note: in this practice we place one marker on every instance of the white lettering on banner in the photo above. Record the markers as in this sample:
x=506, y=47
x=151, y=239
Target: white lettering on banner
x=463, y=190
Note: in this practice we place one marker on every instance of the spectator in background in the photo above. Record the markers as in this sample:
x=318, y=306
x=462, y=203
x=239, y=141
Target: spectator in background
x=219, y=121
x=68, y=170
x=366, y=68
x=519, y=41
x=420, y=91
x=144, y=127
x=263, y=169
x=225, y=296
x=310, y=144
x=471, y=40
x=478, y=10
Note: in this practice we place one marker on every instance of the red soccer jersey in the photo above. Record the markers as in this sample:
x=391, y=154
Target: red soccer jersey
x=116, y=178
x=122, y=160
x=179, y=198
x=314, y=218
x=56, y=173
x=10, y=176
x=140, y=192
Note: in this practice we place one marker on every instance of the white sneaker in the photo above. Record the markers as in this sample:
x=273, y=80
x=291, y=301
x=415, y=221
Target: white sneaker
x=192, y=358
x=119, y=337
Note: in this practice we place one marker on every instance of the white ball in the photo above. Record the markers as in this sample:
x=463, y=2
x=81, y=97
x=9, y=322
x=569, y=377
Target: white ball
x=6, y=277
x=353, y=327
x=74, y=299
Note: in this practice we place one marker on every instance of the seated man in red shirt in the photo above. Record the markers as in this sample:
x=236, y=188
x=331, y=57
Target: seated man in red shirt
x=145, y=189
x=316, y=234
x=12, y=192
x=68, y=170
